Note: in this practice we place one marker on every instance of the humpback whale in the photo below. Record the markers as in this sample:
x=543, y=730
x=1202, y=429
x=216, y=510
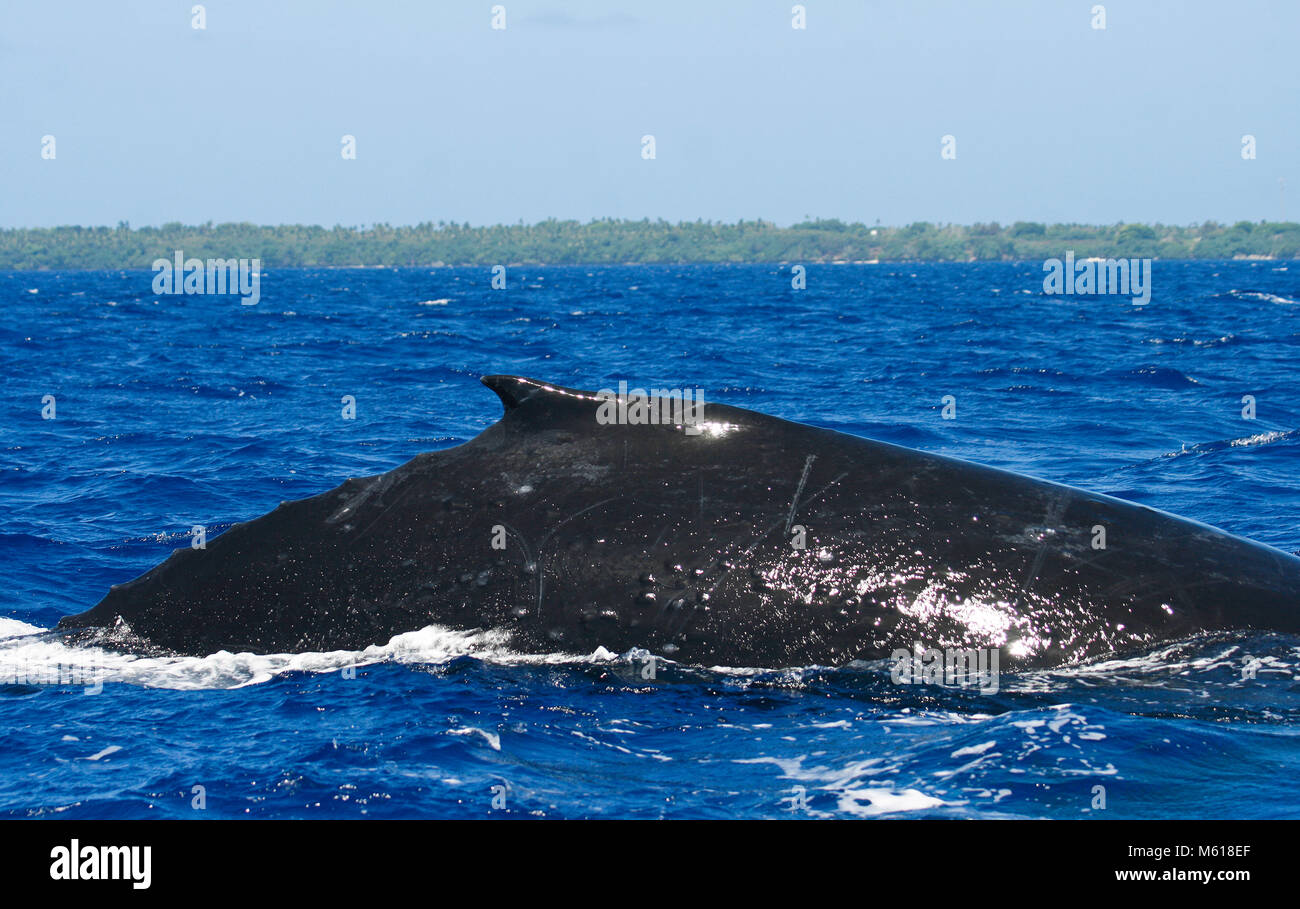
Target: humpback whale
x=720, y=537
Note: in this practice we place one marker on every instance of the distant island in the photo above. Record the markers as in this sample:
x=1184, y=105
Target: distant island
x=643, y=242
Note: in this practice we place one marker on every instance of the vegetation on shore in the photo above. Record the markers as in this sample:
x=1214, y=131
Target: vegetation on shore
x=611, y=241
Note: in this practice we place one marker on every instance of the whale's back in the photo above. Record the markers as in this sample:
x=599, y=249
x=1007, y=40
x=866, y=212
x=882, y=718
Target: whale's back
x=720, y=537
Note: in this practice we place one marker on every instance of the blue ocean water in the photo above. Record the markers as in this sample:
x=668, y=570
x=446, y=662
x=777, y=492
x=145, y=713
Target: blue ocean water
x=182, y=410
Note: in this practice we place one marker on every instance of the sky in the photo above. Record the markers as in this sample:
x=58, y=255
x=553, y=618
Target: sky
x=154, y=120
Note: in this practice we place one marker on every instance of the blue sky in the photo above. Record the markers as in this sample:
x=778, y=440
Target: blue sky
x=155, y=121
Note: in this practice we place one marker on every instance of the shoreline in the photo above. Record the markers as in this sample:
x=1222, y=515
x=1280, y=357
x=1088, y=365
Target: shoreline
x=610, y=242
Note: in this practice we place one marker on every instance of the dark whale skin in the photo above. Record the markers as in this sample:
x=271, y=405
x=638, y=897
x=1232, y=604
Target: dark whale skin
x=647, y=536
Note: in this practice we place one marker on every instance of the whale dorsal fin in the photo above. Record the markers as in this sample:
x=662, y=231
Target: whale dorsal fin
x=516, y=390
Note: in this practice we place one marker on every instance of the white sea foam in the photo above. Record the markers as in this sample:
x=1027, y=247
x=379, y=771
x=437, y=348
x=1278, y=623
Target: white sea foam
x=855, y=787
x=493, y=740
x=1262, y=438
x=28, y=656
x=974, y=749
x=872, y=802
x=1263, y=297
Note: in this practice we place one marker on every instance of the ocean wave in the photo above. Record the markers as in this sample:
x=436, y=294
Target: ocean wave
x=35, y=656
x=1160, y=376
x=1269, y=437
x=1261, y=296
x=977, y=758
x=1221, y=341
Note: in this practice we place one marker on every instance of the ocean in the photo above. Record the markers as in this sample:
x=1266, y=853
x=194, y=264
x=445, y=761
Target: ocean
x=176, y=411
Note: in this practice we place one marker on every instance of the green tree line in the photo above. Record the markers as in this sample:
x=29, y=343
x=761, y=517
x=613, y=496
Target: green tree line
x=610, y=241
